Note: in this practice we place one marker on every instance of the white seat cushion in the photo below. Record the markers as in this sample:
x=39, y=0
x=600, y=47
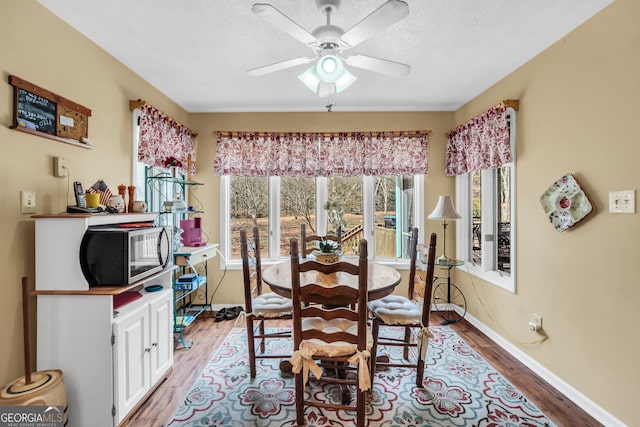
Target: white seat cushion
x=271, y=305
x=396, y=310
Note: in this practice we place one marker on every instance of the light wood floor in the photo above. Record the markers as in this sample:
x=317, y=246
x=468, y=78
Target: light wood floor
x=208, y=334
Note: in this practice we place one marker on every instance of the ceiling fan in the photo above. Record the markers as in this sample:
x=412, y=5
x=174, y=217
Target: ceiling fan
x=329, y=76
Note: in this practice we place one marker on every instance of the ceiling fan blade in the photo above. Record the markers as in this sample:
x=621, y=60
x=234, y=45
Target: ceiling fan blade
x=284, y=23
x=381, y=18
x=277, y=66
x=383, y=66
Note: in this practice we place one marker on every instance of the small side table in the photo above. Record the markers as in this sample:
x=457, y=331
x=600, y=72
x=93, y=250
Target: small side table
x=448, y=299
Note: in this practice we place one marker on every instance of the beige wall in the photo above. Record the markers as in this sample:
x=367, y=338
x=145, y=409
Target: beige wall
x=578, y=111
x=36, y=46
x=577, y=100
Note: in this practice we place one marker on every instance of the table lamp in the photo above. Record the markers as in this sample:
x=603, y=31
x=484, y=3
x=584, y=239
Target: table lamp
x=444, y=210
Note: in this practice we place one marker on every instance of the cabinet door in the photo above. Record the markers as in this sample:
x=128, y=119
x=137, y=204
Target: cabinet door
x=132, y=350
x=161, y=335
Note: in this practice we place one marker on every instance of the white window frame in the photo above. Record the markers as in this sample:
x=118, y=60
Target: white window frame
x=321, y=198
x=487, y=270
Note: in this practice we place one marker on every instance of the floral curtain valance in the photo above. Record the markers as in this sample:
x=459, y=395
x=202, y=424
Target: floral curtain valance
x=161, y=137
x=321, y=154
x=481, y=143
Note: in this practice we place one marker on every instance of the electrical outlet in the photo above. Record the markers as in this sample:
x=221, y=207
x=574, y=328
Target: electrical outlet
x=59, y=166
x=622, y=201
x=535, y=324
x=27, y=201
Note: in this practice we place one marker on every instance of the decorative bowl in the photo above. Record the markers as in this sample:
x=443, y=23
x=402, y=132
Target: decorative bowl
x=326, y=257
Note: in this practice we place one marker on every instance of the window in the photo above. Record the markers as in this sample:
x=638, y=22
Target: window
x=486, y=232
x=382, y=208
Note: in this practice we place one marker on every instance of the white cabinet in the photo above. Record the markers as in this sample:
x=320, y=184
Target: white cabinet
x=143, y=351
x=110, y=361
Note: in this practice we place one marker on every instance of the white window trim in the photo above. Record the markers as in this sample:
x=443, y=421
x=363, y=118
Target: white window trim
x=464, y=226
x=321, y=196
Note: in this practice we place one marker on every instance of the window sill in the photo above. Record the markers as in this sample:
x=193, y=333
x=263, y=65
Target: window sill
x=493, y=277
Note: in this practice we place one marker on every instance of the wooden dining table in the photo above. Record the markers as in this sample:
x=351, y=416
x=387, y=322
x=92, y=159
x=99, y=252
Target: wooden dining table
x=382, y=279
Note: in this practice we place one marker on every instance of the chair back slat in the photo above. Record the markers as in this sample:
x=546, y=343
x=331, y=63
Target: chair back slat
x=313, y=293
x=315, y=296
x=330, y=336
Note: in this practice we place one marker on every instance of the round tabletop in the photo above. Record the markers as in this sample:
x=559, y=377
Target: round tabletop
x=382, y=278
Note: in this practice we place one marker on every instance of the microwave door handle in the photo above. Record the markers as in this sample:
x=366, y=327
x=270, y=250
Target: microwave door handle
x=162, y=262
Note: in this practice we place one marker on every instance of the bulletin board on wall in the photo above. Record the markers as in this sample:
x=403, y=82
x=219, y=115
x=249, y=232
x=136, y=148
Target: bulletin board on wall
x=41, y=112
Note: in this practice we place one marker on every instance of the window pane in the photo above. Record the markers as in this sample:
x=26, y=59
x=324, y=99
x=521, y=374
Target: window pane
x=249, y=204
x=504, y=219
x=349, y=191
x=297, y=206
x=476, y=214
x=393, y=215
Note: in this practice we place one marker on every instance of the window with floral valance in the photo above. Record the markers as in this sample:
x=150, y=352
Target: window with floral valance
x=321, y=154
x=481, y=143
x=481, y=154
x=162, y=137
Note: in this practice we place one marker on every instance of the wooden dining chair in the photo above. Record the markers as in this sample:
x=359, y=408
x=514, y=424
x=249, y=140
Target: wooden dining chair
x=310, y=242
x=410, y=313
x=329, y=337
x=260, y=307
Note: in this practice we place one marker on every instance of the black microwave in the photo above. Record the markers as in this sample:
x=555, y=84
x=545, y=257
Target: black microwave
x=122, y=254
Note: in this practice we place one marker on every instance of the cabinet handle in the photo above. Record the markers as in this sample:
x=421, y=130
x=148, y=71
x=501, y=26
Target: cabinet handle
x=147, y=350
x=155, y=344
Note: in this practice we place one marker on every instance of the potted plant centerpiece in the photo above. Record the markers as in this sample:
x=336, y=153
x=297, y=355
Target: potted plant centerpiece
x=329, y=250
x=328, y=253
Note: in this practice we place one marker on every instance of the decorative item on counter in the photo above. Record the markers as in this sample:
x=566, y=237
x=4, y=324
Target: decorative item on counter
x=139, y=206
x=92, y=199
x=101, y=188
x=564, y=203
x=132, y=196
x=122, y=191
x=117, y=202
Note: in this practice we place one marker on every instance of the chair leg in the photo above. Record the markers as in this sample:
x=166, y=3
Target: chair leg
x=262, y=340
x=375, y=328
x=407, y=341
x=299, y=399
x=251, y=347
x=360, y=407
x=419, y=372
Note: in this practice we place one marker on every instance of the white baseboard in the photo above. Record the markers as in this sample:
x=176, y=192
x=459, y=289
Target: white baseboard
x=574, y=395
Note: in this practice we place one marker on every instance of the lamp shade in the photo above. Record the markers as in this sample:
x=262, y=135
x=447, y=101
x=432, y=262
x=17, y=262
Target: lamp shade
x=444, y=209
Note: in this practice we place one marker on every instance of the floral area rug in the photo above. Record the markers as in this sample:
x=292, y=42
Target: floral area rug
x=460, y=389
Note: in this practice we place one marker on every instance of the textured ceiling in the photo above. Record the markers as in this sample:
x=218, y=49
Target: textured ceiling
x=197, y=52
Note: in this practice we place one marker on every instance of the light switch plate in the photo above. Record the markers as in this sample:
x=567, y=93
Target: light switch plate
x=622, y=201
x=27, y=202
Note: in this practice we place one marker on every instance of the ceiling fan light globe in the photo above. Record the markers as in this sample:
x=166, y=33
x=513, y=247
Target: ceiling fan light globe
x=329, y=68
x=310, y=79
x=345, y=80
x=326, y=89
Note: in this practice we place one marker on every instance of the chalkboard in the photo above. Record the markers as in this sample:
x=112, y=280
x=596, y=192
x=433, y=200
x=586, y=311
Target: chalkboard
x=35, y=112
x=41, y=112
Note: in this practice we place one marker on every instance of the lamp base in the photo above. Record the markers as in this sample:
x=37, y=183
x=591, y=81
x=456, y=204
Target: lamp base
x=443, y=259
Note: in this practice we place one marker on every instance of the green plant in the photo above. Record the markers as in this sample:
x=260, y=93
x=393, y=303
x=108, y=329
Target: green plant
x=328, y=247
